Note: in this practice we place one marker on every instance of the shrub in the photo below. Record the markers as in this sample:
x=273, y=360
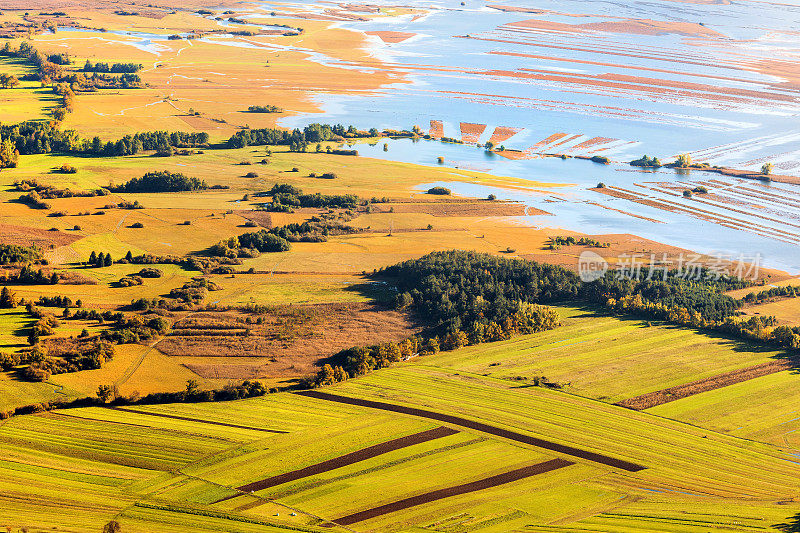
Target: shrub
x=646, y=162
x=264, y=109
x=683, y=161
x=687, y=193
x=600, y=159
x=439, y=190
x=136, y=225
x=67, y=169
x=150, y=272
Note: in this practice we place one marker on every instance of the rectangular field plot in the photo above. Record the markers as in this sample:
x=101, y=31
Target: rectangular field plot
x=763, y=409
x=277, y=412
x=660, y=514
x=415, y=470
x=786, y=310
x=608, y=358
x=676, y=456
x=280, y=454
x=109, y=442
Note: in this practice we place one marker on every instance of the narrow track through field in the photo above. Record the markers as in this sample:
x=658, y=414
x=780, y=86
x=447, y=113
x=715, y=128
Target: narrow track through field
x=188, y=419
x=428, y=497
x=347, y=459
x=480, y=426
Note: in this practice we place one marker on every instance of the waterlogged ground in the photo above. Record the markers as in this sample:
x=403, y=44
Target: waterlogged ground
x=738, y=217
x=662, y=77
x=718, y=80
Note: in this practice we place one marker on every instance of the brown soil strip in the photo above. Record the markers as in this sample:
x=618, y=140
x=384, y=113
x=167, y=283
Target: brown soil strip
x=437, y=129
x=471, y=132
x=591, y=143
x=652, y=399
x=44, y=239
x=188, y=419
x=479, y=426
x=466, y=488
x=348, y=459
x=547, y=141
x=630, y=26
x=626, y=212
x=703, y=214
x=503, y=133
x=476, y=209
x=391, y=37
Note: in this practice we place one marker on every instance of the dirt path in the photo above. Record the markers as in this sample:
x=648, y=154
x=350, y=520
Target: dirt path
x=479, y=426
x=188, y=419
x=347, y=459
x=466, y=488
x=652, y=399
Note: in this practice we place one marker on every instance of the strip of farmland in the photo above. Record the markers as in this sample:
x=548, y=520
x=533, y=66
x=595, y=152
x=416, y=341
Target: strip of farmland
x=481, y=484
x=188, y=419
x=652, y=399
x=347, y=459
x=479, y=426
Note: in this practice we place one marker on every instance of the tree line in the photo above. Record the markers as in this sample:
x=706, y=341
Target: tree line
x=469, y=298
x=27, y=138
x=117, y=68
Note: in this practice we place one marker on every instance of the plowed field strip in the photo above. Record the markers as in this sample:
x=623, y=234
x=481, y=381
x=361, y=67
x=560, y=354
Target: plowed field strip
x=175, y=417
x=652, y=399
x=349, y=459
x=481, y=484
x=479, y=426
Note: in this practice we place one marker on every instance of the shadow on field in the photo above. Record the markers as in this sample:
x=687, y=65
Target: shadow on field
x=377, y=291
x=791, y=526
x=735, y=344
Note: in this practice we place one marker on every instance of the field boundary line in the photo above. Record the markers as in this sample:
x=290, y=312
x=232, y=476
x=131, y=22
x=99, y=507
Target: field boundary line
x=480, y=426
x=670, y=394
x=189, y=419
x=458, y=490
x=346, y=460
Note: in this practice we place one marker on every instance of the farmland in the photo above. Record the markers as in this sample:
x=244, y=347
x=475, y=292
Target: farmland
x=608, y=358
x=264, y=318
x=152, y=472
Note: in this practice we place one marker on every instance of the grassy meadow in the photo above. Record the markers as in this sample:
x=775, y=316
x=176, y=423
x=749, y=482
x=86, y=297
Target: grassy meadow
x=608, y=358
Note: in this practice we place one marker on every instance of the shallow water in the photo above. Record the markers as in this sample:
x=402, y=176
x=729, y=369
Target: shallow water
x=570, y=207
x=570, y=90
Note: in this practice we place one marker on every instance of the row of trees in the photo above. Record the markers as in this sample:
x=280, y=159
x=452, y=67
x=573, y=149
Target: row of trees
x=107, y=394
x=297, y=139
x=28, y=138
x=113, y=68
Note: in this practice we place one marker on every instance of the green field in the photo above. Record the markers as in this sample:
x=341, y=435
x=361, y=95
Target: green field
x=760, y=409
x=82, y=467
x=28, y=100
x=606, y=357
